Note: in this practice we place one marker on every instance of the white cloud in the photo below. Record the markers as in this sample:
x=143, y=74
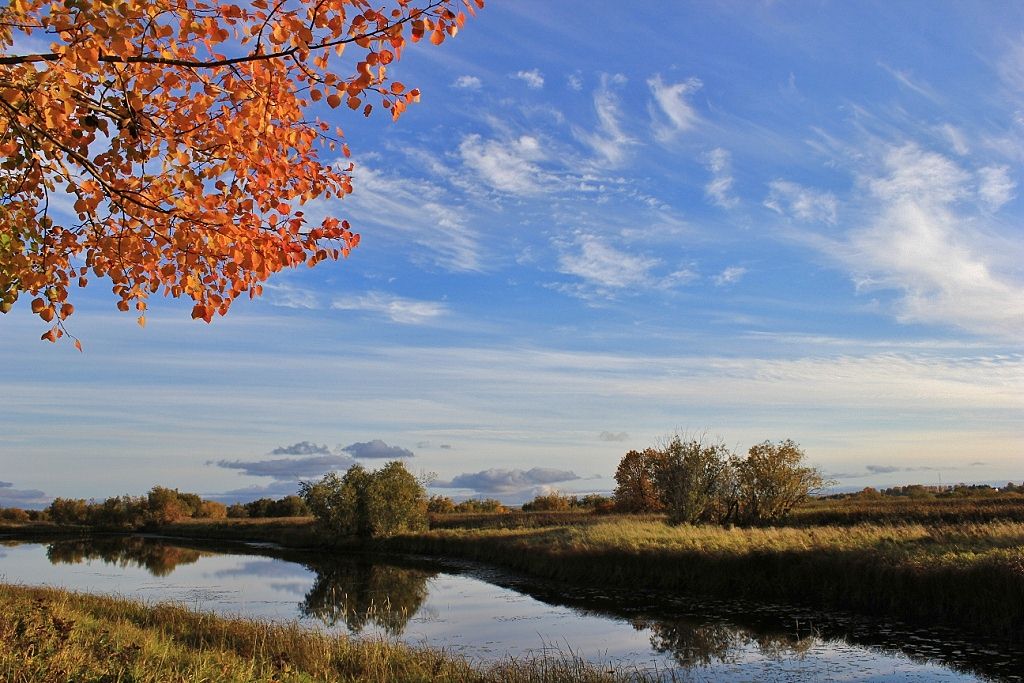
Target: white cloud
x=995, y=187
x=919, y=176
x=467, y=83
x=956, y=138
x=398, y=309
x=574, y=82
x=609, y=141
x=939, y=259
x=507, y=165
x=730, y=276
x=719, y=188
x=787, y=197
x=672, y=100
x=533, y=78
x=407, y=206
x=604, y=266
x=288, y=296
x=905, y=78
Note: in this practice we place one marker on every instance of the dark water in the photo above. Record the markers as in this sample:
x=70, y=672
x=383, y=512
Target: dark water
x=486, y=614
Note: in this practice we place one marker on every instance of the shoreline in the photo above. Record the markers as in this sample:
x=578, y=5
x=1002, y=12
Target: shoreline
x=968, y=576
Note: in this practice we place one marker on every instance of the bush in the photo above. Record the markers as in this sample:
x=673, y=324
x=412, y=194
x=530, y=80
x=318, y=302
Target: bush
x=440, y=505
x=477, y=505
x=367, y=504
x=14, y=515
x=551, y=502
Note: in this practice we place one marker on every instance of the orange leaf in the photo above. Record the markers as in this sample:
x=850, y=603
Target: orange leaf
x=333, y=100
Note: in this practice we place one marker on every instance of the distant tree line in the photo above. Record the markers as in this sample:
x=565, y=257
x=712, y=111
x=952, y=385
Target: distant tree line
x=289, y=506
x=932, y=491
x=559, y=502
x=443, y=505
x=161, y=505
x=695, y=481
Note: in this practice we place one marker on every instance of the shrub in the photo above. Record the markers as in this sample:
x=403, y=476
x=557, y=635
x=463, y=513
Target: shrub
x=237, y=511
x=14, y=515
x=551, y=502
x=440, y=505
x=477, y=505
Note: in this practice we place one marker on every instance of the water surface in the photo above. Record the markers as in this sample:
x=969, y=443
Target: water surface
x=487, y=614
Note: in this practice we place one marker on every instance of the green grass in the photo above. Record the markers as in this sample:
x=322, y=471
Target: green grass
x=53, y=635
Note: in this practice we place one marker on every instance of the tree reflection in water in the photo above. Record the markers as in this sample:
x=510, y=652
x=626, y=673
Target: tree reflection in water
x=359, y=592
x=158, y=558
x=695, y=644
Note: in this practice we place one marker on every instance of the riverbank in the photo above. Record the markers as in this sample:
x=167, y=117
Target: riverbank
x=54, y=635
x=968, y=576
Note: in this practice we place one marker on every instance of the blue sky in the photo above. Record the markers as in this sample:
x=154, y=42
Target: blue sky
x=603, y=224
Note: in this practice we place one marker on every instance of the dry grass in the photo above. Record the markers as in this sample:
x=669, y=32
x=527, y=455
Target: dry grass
x=53, y=635
x=966, y=575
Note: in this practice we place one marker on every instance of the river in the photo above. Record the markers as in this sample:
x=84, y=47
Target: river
x=487, y=614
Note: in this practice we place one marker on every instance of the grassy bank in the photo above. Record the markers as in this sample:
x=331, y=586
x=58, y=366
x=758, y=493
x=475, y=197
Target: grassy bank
x=968, y=576
x=52, y=635
x=940, y=570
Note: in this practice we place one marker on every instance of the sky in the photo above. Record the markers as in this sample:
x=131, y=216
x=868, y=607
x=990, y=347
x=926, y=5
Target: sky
x=603, y=224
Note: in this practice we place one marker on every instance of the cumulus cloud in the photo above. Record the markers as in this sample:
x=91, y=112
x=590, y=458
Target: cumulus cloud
x=398, y=309
x=467, y=83
x=21, y=498
x=609, y=141
x=376, y=449
x=503, y=481
x=672, y=101
x=289, y=468
x=730, y=276
x=507, y=165
x=302, y=448
x=788, y=198
x=719, y=188
x=613, y=436
x=533, y=78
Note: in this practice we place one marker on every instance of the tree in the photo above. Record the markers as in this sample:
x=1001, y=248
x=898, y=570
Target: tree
x=367, y=504
x=395, y=501
x=185, y=137
x=773, y=479
x=695, y=481
x=635, y=489
x=338, y=503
